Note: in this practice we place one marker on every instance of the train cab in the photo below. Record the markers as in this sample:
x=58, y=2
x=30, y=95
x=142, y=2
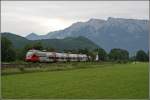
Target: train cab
x=32, y=56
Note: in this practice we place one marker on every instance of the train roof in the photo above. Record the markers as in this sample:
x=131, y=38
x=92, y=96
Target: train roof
x=32, y=50
x=57, y=53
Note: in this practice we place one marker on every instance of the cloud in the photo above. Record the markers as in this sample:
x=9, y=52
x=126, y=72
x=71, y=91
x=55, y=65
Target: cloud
x=41, y=17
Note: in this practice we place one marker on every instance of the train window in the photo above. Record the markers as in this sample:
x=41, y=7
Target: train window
x=51, y=57
x=41, y=54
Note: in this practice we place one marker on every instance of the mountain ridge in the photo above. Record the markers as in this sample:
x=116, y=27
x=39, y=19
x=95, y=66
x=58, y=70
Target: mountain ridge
x=58, y=44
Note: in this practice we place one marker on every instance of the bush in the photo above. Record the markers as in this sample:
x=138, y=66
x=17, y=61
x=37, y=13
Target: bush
x=21, y=68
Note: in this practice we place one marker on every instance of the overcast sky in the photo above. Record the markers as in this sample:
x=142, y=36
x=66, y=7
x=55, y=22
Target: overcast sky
x=42, y=17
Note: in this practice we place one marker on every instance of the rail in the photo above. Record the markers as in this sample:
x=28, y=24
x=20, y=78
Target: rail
x=10, y=65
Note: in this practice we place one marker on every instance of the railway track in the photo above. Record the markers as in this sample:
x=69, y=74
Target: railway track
x=36, y=65
x=10, y=65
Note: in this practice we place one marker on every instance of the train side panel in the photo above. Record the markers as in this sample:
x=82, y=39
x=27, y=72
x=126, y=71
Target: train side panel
x=39, y=56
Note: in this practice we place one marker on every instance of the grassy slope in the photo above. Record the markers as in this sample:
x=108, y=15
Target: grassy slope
x=112, y=81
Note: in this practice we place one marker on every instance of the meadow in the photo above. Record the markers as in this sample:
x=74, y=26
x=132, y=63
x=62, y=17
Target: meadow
x=87, y=81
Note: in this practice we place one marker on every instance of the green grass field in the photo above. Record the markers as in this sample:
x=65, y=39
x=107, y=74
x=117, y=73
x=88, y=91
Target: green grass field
x=98, y=81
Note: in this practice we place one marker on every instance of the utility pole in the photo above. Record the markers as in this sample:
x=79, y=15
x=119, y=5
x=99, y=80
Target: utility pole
x=97, y=57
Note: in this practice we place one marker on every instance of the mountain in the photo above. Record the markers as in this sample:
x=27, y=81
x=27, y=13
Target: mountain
x=33, y=36
x=58, y=44
x=130, y=34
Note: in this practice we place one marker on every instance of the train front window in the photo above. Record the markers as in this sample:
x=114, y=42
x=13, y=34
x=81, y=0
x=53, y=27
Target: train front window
x=29, y=53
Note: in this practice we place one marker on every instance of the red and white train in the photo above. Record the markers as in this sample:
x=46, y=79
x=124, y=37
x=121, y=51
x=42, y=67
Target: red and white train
x=42, y=56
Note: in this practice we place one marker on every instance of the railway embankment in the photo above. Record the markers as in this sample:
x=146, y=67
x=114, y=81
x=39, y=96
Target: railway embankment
x=19, y=68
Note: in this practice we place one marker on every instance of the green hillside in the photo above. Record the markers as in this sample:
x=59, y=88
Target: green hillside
x=59, y=44
x=17, y=41
x=68, y=43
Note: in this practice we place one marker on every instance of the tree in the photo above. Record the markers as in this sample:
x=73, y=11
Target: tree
x=141, y=56
x=119, y=55
x=19, y=53
x=83, y=51
x=37, y=46
x=88, y=52
x=148, y=55
x=23, y=51
x=7, y=50
x=50, y=49
x=101, y=54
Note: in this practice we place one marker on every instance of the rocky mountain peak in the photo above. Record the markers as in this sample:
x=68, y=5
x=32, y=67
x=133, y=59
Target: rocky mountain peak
x=108, y=34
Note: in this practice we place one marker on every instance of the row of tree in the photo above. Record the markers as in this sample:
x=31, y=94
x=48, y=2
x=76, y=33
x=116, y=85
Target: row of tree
x=120, y=55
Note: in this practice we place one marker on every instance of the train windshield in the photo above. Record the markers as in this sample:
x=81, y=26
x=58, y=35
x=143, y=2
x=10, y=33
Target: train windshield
x=29, y=53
